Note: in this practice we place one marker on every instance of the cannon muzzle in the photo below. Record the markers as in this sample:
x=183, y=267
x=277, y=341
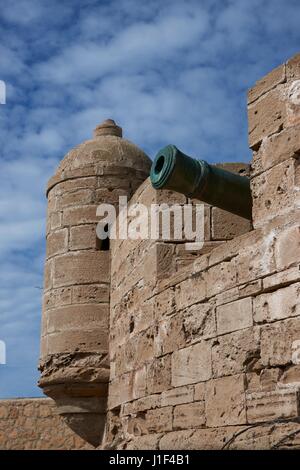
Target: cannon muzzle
x=174, y=170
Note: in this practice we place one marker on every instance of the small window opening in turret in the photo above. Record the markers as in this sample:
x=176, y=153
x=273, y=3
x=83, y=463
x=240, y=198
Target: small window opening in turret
x=103, y=245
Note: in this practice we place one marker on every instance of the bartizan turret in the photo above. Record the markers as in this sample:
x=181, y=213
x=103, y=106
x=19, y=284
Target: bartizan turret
x=74, y=361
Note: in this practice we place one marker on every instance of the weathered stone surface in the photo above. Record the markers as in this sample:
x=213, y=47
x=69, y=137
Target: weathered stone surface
x=236, y=352
x=293, y=67
x=142, y=404
x=74, y=185
x=68, y=341
x=273, y=192
x=269, y=378
x=234, y=316
x=82, y=237
x=192, y=364
x=177, y=396
x=73, y=198
x=277, y=342
x=159, y=420
x=287, y=248
x=226, y=225
x=57, y=297
x=57, y=242
x=225, y=401
x=266, y=116
x=277, y=305
x=90, y=293
x=164, y=303
x=80, y=215
x=190, y=291
x=139, y=383
x=120, y=391
x=77, y=316
x=282, y=278
x=199, y=393
x=276, y=149
x=81, y=268
x=55, y=220
x=291, y=376
x=201, y=439
x=221, y=277
x=33, y=424
x=265, y=84
x=159, y=375
x=266, y=406
x=257, y=260
x=147, y=442
x=191, y=415
x=199, y=322
x=169, y=336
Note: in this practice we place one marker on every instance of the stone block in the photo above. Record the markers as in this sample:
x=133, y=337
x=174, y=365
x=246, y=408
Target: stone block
x=277, y=305
x=273, y=192
x=191, y=415
x=257, y=259
x=57, y=297
x=80, y=215
x=225, y=401
x=276, y=149
x=57, y=242
x=199, y=439
x=199, y=322
x=82, y=237
x=190, y=291
x=169, y=336
x=71, y=317
x=269, y=379
x=81, y=268
x=146, y=442
x=267, y=83
x=159, y=420
x=221, y=277
x=266, y=406
x=139, y=383
x=234, y=316
x=266, y=116
x=236, y=352
x=79, y=197
x=278, y=342
x=90, y=293
x=282, y=278
x=159, y=375
x=120, y=391
x=55, y=221
x=74, y=185
x=177, y=396
x=199, y=393
x=287, y=248
x=70, y=340
x=192, y=364
x=226, y=225
x=293, y=67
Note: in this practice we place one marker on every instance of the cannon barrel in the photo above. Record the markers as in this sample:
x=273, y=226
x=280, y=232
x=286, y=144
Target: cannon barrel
x=172, y=169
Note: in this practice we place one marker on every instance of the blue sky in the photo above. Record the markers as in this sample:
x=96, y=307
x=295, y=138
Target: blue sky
x=169, y=71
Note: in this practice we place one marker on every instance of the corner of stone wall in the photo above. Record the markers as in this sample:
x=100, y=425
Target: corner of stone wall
x=274, y=137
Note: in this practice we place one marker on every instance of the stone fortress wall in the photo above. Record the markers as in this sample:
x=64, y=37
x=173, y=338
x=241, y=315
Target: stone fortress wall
x=203, y=352
x=33, y=424
x=204, y=347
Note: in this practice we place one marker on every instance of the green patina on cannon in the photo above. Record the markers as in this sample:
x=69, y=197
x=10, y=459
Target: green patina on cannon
x=172, y=169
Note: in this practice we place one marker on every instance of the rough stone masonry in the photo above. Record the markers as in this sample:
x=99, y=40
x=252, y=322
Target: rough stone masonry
x=148, y=346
